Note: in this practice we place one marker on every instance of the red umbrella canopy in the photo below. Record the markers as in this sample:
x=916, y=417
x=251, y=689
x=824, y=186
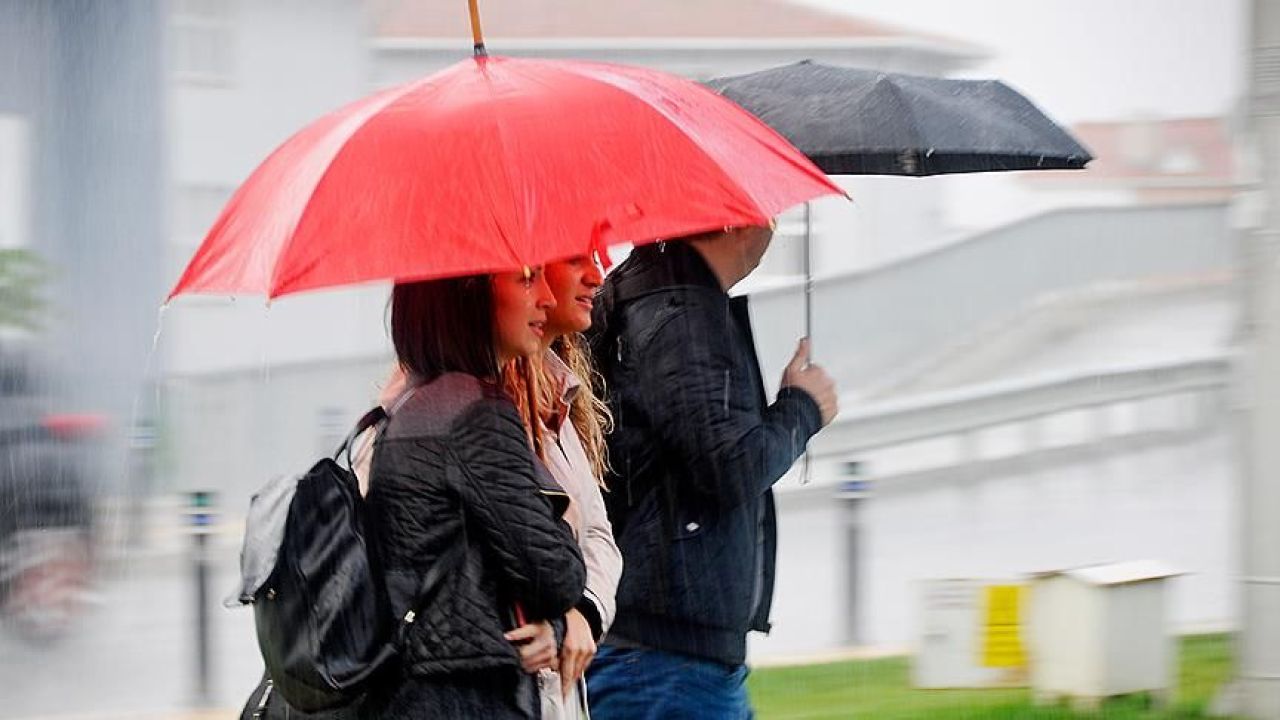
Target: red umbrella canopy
x=493, y=164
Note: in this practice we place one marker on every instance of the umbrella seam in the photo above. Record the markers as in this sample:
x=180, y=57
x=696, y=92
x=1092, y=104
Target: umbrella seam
x=914, y=125
x=517, y=207
x=739, y=189
x=277, y=279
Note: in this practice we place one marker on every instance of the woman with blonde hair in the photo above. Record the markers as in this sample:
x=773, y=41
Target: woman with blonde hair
x=568, y=422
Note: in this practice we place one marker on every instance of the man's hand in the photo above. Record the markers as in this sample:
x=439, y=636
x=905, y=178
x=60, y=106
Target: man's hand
x=812, y=379
x=578, y=650
x=536, y=643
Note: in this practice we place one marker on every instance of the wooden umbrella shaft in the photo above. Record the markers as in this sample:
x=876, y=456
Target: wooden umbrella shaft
x=477, y=34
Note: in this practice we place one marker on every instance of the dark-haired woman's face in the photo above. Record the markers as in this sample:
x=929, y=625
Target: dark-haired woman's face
x=520, y=305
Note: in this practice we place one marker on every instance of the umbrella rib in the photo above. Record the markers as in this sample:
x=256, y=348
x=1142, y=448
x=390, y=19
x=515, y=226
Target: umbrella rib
x=675, y=124
x=517, y=208
x=908, y=112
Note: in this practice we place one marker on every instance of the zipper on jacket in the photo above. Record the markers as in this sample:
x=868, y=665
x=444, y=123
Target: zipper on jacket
x=757, y=590
x=261, y=711
x=564, y=454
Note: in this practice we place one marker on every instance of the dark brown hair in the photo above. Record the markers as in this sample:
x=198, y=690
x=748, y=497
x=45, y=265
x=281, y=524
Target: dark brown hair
x=442, y=326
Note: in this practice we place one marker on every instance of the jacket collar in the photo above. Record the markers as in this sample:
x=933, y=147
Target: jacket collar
x=565, y=387
x=663, y=265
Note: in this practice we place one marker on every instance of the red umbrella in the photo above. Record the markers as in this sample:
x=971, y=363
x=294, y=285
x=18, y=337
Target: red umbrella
x=493, y=164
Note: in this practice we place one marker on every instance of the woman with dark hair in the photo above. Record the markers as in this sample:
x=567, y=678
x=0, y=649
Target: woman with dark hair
x=453, y=468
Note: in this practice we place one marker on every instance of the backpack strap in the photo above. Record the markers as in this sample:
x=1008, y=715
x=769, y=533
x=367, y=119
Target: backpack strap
x=368, y=420
x=375, y=416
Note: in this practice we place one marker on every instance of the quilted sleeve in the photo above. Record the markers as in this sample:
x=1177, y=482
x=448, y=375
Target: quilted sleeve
x=536, y=553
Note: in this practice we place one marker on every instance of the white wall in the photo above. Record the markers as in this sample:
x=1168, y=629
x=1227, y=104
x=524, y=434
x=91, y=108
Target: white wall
x=1172, y=503
x=889, y=218
x=233, y=431
x=15, y=180
x=810, y=598
x=975, y=202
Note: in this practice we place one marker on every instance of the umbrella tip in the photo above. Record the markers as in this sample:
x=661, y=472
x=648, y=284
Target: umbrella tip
x=477, y=34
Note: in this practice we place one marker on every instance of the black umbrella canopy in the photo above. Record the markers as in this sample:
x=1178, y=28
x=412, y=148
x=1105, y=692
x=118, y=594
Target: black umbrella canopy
x=851, y=121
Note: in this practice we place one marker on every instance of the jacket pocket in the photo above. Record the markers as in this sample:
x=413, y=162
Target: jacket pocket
x=710, y=571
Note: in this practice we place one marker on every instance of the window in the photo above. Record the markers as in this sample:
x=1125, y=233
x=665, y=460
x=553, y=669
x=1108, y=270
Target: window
x=1140, y=143
x=1181, y=161
x=203, y=41
x=15, y=181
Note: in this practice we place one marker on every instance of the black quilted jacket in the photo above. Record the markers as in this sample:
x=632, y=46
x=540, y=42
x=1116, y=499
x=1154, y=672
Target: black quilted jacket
x=454, y=466
x=695, y=449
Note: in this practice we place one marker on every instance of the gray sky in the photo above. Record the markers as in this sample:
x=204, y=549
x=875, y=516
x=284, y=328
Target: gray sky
x=1092, y=59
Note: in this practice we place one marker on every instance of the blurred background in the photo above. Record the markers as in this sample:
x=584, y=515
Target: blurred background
x=1038, y=371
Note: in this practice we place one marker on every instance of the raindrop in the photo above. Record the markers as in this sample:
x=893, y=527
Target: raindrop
x=155, y=345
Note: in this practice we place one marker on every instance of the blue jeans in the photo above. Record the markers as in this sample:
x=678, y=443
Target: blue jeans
x=630, y=684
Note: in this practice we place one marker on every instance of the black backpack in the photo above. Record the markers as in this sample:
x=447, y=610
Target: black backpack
x=313, y=577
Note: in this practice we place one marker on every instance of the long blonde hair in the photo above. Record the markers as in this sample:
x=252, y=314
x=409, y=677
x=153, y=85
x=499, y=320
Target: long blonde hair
x=529, y=384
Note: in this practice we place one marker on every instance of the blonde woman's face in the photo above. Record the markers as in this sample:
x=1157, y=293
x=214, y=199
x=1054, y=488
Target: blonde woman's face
x=574, y=283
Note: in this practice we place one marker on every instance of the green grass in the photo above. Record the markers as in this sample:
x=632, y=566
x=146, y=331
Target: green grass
x=881, y=689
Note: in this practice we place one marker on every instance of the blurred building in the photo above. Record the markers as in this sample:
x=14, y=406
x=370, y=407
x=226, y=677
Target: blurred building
x=82, y=177
x=251, y=389
x=1144, y=160
x=1151, y=161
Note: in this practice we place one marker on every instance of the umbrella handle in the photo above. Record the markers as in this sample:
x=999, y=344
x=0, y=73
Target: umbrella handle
x=477, y=34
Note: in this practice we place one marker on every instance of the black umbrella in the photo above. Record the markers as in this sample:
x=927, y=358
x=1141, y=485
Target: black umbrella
x=851, y=121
